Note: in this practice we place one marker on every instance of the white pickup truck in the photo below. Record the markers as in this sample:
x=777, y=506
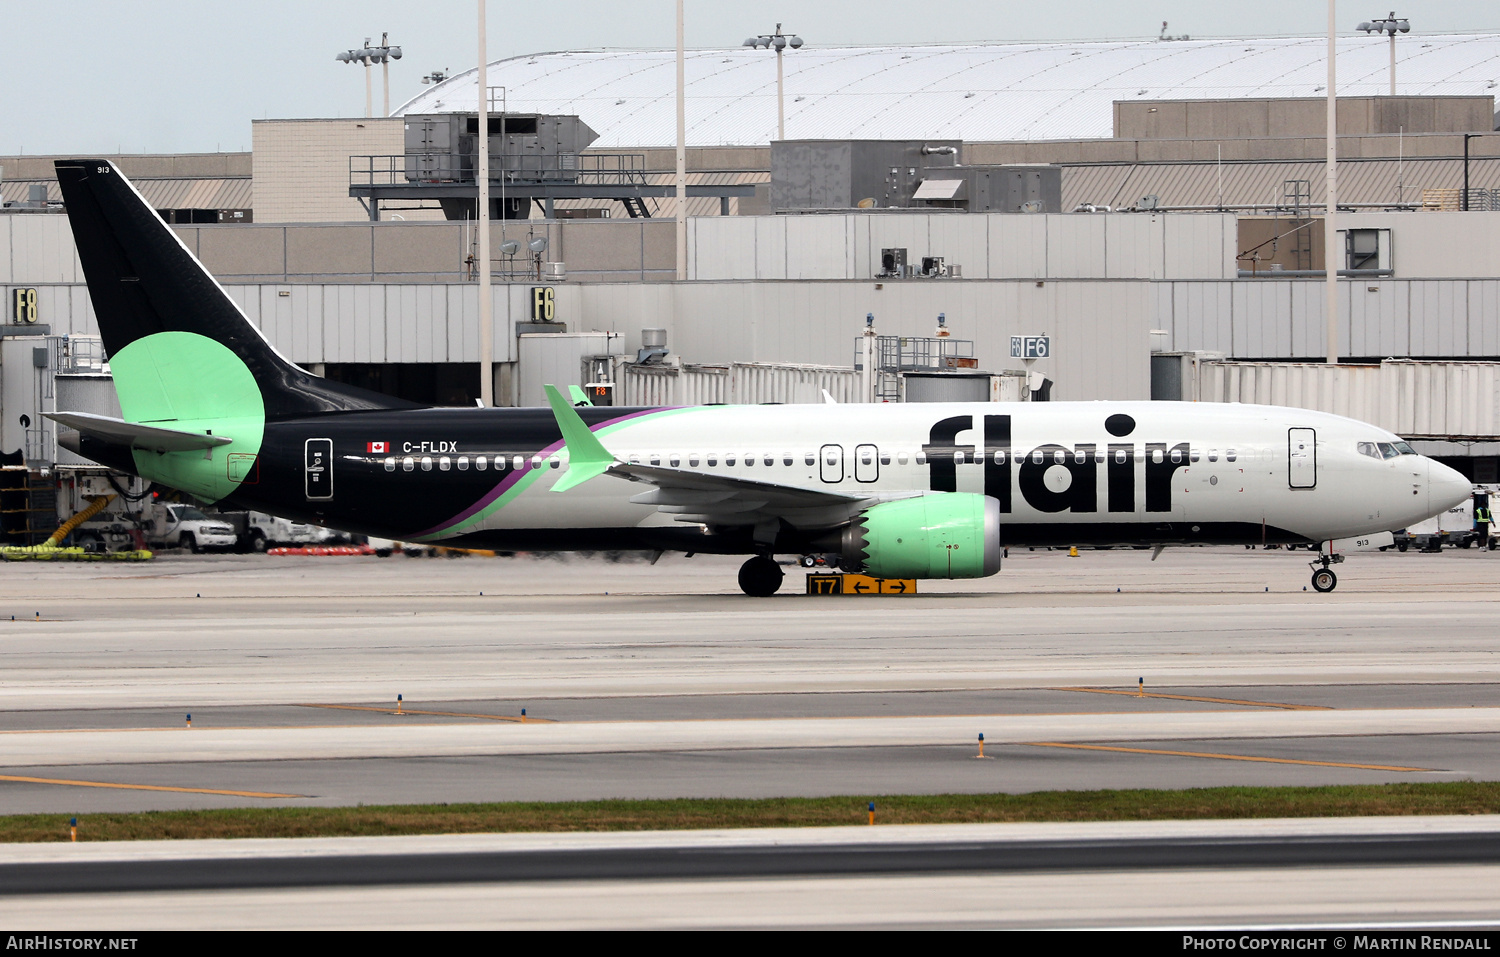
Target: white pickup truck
x=175, y=525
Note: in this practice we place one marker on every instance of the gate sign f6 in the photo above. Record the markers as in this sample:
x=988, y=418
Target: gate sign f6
x=1030, y=347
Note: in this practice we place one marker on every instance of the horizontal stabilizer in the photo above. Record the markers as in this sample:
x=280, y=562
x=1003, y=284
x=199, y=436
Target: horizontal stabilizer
x=148, y=437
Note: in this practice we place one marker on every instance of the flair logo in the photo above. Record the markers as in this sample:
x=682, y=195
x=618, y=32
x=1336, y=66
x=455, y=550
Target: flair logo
x=378, y=448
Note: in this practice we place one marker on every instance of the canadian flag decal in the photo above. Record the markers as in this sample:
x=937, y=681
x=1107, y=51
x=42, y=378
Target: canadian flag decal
x=379, y=447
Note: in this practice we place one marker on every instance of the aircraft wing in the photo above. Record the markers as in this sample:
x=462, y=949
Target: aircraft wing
x=150, y=438
x=727, y=500
x=700, y=498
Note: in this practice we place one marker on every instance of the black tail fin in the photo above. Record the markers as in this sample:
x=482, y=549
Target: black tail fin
x=144, y=281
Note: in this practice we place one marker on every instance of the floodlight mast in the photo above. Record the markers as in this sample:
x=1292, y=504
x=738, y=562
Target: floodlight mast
x=367, y=55
x=777, y=41
x=1390, y=26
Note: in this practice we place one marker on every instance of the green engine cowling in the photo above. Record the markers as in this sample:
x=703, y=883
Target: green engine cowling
x=941, y=535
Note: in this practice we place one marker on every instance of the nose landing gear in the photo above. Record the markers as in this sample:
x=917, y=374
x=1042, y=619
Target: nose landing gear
x=1323, y=578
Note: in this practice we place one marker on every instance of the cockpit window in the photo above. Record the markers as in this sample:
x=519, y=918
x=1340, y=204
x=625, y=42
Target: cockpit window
x=1405, y=449
x=1387, y=450
x=1370, y=449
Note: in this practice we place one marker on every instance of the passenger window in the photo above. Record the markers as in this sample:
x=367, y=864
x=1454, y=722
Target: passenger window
x=958, y=459
x=769, y=459
x=483, y=463
x=390, y=464
x=749, y=460
x=655, y=459
x=553, y=462
x=864, y=458
x=1080, y=457
x=713, y=459
x=692, y=459
x=445, y=463
x=1176, y=455
x=634, y=459
x=1230, y=455
x=536, y=461
x=517, y=462
x=1156, y=456
x=921, y=458
x=427, y=463
x=728, y=459
x=999, y=456
x=1213, y=455
x=407, y=464
x=1194, y=455
x=1119, y=456
x=885, y=458
x=901, y=458
x=674, y=460
x=786, y=458
x=810, y=459
x=1036, y=456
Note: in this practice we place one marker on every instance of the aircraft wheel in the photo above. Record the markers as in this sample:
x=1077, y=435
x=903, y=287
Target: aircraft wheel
x=760, y=577
x=808, y=561
x=1324, y=580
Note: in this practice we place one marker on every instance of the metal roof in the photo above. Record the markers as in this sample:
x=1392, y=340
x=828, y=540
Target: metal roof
x=1362, y=182
x=978, y=93
x=213, y=192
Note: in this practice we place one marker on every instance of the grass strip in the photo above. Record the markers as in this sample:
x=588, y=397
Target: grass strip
x=1369, y=800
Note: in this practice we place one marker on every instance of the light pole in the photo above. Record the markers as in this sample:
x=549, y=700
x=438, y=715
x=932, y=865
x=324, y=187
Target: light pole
x=777, y=41
x=1390, y=25
x=367, y=55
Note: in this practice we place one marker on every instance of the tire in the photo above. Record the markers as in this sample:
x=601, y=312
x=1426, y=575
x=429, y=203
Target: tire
x=808, y=561
x=258, y=543
x=383, y=552
x=1466, y=543
x=189, y=542
x=1324, y=580
x=1401, y=547
x=760, y=577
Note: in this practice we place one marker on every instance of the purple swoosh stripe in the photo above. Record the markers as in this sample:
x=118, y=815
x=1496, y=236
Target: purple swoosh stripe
x=515, y=476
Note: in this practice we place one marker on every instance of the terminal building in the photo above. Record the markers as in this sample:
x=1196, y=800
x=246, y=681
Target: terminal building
x=1155, y=208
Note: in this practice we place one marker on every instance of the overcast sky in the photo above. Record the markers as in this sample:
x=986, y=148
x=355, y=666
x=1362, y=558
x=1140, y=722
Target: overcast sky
x=167, y=76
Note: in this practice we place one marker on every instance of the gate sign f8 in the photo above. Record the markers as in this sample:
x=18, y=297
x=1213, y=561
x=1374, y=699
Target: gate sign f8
x=1030, y=347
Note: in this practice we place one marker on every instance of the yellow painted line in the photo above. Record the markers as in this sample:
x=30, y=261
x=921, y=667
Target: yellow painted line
x=441, y=714
x=1187, y=697
x=1223, y=757
x=143, y=787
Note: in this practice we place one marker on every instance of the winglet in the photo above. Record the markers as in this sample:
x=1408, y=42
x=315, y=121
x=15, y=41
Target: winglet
x=576, y=394
x=587, y=456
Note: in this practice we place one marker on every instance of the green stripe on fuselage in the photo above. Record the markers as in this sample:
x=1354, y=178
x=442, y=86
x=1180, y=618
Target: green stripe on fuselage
x=532, y=475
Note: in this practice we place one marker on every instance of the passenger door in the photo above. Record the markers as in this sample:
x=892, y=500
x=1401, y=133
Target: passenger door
x=1302, y=458
x=318, y=469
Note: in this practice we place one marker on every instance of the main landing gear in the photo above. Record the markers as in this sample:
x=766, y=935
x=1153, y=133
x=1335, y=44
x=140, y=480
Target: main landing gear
x=760, y=577
x=1323, y=578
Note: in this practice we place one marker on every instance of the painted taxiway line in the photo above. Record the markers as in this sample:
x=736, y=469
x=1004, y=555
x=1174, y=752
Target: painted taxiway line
x=120, y=786
x=1188, y=697
x=177, y=746
x=1221, y=756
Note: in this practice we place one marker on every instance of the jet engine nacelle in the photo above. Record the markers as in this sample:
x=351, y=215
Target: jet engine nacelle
x=942, y=535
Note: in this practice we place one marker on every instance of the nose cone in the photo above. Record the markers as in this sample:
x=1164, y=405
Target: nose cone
x=1446, y=487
